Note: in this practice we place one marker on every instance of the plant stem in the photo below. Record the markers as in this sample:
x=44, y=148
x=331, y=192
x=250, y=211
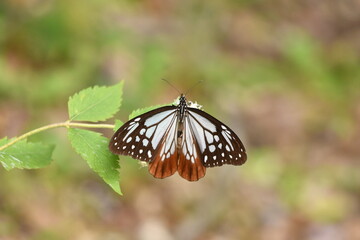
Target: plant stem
x=67, y=124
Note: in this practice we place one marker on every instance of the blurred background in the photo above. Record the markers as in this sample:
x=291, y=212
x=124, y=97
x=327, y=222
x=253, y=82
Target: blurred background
x=284, y=75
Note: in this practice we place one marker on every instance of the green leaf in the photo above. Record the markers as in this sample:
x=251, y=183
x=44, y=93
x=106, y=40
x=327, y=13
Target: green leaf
x=118, y=124
x=25, y=155
x=3, y=141
x=95, y=104
x=140, y=111
x=94, y=149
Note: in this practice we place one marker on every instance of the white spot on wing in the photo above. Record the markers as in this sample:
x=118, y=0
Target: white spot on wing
x=142, y=131
x=129, y=139
x=149, y=154
x=205, y=158
x=212, y=148
x=145, y=142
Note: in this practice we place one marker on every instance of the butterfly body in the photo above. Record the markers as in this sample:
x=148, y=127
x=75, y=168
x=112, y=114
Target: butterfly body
x=178, y=138
x=182, y=106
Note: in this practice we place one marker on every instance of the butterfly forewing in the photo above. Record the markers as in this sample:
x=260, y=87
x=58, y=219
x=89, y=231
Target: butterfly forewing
x=143, y=135
x=218, y=143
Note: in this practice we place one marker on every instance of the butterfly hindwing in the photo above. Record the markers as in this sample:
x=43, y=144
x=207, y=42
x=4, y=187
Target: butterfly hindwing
x=190, y=160
x=165, y=161
x=218, y=143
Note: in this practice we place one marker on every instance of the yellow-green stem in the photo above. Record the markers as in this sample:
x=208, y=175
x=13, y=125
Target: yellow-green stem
x=56, y=125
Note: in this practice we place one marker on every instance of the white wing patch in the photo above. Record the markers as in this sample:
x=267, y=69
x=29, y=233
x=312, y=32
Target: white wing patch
x=188, y=144
x=150, y=132
x=169, y=146
x=209, y=137
x=157, y=118
x=198, y=132
x=161, y=129
x=204, y=122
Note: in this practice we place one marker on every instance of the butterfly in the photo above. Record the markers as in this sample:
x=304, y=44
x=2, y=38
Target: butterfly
x=178, y=138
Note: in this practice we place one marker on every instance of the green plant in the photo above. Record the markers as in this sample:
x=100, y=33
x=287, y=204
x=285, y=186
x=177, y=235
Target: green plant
x=87, y=109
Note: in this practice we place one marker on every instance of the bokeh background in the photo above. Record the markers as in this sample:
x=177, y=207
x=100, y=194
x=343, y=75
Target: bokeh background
x=285, y=75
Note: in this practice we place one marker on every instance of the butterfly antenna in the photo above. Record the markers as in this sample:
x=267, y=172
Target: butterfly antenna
x=193, y=86
x=171, y=85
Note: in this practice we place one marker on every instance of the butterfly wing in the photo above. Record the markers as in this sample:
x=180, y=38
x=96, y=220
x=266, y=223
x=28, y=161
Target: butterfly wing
x=190, y=160
x=153, y=137
x=150, y=137
x=165, y=161
x=217, y=143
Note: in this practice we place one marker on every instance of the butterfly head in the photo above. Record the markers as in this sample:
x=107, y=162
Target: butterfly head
x=182, y=99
